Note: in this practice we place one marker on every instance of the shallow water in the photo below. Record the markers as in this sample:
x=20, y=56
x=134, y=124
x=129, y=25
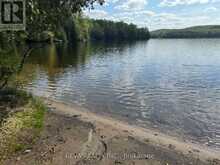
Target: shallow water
x=171, y=85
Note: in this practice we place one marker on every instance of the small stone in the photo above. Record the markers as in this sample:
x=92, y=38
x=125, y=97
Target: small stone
x=52, y=150
x=102, y=136
x=126, y=131
x=18, y=159
x=27, y=151
x=195, y=150
x=118, y=162
x=76, y=116
x=49, y=126
x=171, y=146
x=131, y=138
x=61, y=139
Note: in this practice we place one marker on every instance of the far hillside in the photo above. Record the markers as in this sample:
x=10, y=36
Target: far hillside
x=210, y=31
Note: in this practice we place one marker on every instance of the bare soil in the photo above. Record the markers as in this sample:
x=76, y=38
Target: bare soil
x=74, y=136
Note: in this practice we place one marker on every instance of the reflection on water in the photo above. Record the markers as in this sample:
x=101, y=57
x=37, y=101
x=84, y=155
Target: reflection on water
x=172, y=85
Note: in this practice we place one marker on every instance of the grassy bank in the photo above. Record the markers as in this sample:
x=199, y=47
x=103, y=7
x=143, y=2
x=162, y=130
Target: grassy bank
x=22, y=122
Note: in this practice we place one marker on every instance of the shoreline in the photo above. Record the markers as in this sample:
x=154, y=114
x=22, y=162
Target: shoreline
x=156, y=138
x=72, y=135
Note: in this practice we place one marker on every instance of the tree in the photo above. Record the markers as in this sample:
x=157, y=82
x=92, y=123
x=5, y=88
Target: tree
x=109, y=30
x=42, y=15
x=49, y=15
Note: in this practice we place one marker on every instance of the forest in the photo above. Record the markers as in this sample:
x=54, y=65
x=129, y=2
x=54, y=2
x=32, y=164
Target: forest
x=109, y=30
x=79, y=28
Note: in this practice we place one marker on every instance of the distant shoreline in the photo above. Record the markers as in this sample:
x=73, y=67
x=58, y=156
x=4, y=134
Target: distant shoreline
x=200, y=32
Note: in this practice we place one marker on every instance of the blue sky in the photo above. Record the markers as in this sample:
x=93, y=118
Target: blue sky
x=159, y=14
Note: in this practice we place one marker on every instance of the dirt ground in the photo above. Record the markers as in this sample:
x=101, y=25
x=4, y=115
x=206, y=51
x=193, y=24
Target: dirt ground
x=73, y=137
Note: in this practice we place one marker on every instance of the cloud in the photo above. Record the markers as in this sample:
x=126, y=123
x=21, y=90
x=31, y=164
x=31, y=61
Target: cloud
x=96, y=14
x=170, y=3
x=108, y=2
x=169, y=21
x=210, y=9
x=132, y=5
x=135, y=17
x=145, y=14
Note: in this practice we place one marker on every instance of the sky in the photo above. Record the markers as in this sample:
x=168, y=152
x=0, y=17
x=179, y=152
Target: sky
x=159, y=14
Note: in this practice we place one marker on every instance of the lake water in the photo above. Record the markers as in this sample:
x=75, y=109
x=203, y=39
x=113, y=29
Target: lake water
x=170, y=85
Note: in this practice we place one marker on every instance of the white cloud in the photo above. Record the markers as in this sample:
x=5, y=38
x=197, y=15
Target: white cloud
x=169, y=21
x=137, y=12
x=171, y=3
x=211, y=9
x=108, y=2
x=132, y=5
x=96, y=14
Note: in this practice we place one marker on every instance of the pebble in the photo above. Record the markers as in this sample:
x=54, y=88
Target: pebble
x=76, y=116
x=61, y=139
x=171, y=146
x=195, y=150
x=102, y=136
x=117, y=162
x=27, y=151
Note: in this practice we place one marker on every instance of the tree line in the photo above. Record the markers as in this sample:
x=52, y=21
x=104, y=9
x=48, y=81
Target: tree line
x=209, y=31
x=109, y=30
x=83, y=29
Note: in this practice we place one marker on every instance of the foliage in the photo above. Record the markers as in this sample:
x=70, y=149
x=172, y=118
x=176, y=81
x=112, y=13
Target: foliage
x=11, y=63
x=10, y=99
x=8, y=65
x=192, y=32
x=50, y=15
x=109, y=30
x=20, y=129
x=44, y=18
x=76, y=28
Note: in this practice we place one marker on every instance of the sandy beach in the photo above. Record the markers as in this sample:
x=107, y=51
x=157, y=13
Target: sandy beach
x=73, y=135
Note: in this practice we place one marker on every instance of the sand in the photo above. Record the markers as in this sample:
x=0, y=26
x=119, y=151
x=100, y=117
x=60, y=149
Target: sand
x=73, y=135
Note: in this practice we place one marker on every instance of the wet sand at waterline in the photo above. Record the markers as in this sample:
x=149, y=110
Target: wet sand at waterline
x=73, y=135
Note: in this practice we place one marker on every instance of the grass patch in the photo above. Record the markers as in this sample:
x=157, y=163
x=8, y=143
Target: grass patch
x=20, y=130
x=11, y=100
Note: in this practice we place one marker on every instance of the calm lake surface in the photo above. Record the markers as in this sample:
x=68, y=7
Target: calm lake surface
x=170, y=85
